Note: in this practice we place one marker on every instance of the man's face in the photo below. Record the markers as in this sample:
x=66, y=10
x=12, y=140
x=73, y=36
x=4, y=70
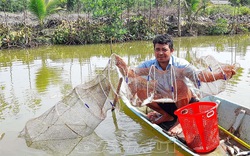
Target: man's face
x=162, y=53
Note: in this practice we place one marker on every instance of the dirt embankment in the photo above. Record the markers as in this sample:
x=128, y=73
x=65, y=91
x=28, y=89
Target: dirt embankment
x=29, y=19
x=199, y=27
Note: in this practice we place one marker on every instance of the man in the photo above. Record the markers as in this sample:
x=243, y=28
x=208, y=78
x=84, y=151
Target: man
x=164, y=59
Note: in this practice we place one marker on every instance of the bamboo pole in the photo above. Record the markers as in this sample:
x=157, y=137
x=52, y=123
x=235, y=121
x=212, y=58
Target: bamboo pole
x=235, y=137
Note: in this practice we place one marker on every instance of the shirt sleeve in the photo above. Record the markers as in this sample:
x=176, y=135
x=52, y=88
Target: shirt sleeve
x=179, y=62
x=143, y=65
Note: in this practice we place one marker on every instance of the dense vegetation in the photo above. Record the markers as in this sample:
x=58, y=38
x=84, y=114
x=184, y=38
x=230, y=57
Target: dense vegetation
x=105, y=21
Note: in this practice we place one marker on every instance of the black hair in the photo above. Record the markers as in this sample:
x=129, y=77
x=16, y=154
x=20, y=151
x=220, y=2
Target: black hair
x=164, y=39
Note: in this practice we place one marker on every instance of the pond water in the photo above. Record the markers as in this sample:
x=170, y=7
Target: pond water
x=33, y=80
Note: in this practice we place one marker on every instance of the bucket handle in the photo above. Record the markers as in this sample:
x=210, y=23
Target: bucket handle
x=210, y=114
x=184, y=111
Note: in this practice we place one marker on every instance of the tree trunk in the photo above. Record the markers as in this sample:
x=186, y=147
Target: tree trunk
x=179, y=18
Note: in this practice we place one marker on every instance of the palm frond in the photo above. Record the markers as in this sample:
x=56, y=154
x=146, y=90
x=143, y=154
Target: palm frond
x=43, y=8
x=52, y=6
x=195, y=5
x=38, y=8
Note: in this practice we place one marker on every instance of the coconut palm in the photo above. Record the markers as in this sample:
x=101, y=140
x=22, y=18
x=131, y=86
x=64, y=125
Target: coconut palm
x=192, y=9
x=43, y=8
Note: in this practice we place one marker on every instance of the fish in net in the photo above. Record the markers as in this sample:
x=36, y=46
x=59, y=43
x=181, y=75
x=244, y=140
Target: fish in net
x=199, y=79
x=76, y=115
x=210, y=64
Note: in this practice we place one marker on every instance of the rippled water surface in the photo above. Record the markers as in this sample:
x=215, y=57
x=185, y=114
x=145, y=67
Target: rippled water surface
x=33, y=80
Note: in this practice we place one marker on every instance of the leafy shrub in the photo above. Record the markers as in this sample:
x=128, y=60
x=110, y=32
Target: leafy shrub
x=220, y=9
x=220, y=28
x=244, y=10
x=15, y=38
x=13, y=5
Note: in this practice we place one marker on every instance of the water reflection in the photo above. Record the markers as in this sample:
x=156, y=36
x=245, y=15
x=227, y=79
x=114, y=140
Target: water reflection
x=3, y=103
x=128, y=139
x=33, y=80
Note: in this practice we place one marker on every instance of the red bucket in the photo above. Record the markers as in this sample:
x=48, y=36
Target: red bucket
x=200, y=126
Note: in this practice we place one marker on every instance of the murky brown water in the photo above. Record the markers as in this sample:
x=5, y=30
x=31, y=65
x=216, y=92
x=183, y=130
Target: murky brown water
x=33, y=80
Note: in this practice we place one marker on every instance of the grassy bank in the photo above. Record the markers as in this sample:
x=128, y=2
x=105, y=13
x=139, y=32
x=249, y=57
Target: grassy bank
x=21, y=30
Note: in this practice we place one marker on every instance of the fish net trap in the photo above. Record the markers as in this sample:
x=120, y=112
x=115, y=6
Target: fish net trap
x=85, y=107
x=77, y=114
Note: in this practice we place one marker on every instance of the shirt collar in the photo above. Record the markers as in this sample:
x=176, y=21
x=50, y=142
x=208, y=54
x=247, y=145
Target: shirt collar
x=170, y=62
x=168, y=66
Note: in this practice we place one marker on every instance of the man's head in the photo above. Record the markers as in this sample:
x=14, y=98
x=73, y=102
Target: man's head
x=163, y=49
x=164, y=39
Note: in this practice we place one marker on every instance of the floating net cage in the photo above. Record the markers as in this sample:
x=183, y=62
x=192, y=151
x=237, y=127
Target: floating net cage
x=85, y=107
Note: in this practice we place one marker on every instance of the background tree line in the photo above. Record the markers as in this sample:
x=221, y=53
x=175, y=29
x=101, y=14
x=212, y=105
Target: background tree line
x=106, y=21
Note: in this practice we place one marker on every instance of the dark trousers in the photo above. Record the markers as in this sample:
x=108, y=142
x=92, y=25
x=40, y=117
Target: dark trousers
x=170, y=108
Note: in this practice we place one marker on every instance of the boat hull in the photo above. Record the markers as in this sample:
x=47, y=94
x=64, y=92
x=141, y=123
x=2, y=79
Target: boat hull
x=227, y=116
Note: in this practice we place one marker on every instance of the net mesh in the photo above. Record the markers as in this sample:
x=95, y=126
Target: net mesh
x=80, y=112
x=146, y=85
x=77, y=114
x=210, y=64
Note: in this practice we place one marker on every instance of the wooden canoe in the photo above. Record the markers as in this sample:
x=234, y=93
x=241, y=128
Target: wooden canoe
x=234, y=128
